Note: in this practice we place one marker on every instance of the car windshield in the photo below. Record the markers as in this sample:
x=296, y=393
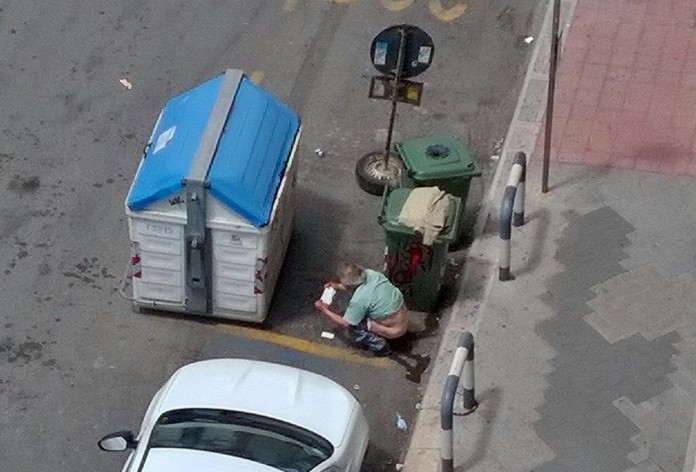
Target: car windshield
x=269, y=441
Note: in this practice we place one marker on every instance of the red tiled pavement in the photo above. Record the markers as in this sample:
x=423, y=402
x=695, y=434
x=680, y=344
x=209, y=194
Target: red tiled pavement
x=626, y=86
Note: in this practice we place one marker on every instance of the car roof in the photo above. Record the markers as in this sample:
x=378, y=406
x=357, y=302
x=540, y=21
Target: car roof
x=295, y=396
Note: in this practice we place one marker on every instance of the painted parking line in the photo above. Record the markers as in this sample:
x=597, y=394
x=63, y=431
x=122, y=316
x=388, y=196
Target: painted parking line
x=443, y=13
x=447, y=14
x=397, y=5
x=257, y=76
x=309, y=347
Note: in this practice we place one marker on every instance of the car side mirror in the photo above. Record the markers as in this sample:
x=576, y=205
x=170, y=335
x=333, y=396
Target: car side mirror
x=118, y=441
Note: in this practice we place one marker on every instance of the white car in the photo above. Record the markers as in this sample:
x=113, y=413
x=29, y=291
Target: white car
x=246, y=416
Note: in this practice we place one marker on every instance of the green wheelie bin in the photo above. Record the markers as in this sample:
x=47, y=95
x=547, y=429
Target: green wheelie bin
x=415, y=268
x=439, y=161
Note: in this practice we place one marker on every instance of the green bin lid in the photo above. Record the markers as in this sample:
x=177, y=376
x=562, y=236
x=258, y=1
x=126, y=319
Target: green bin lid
x=437, y=157
x=394, y=201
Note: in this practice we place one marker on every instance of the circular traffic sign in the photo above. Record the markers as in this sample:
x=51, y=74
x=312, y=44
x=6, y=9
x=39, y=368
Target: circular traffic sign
x=418, y=50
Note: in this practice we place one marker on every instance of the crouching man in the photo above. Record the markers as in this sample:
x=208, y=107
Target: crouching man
x=376, y=311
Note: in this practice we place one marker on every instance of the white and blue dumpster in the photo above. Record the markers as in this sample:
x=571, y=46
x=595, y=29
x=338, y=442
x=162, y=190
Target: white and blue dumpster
x=211, y=208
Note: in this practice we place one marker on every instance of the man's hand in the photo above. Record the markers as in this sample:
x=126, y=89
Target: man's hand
x=321, y=306
x=325, y=310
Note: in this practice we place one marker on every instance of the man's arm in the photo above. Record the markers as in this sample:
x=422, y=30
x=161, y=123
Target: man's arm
x=330, y=314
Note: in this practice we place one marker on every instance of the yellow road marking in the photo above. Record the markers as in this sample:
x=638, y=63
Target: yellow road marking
x=289, y=5
x=447, y=14
x=396, y=5
x=257, y=76
x=302, y=345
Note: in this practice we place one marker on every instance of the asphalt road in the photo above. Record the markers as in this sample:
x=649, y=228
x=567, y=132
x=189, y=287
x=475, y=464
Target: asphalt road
x=75, y=361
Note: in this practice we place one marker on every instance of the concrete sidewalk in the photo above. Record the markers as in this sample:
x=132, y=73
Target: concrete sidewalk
x=586, y=362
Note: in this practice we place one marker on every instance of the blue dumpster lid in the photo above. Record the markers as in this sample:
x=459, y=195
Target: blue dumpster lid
x=249, y=160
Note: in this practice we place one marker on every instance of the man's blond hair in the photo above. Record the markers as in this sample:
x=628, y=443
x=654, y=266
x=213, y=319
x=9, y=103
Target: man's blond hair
x=350, y=274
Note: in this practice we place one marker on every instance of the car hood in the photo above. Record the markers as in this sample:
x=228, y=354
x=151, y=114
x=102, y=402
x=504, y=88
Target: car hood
x=292, y=395
x=189, y=460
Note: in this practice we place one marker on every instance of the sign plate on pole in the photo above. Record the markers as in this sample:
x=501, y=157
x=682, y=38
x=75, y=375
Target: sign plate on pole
x=408, y=91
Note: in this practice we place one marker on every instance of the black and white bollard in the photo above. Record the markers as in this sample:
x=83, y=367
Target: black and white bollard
x=463, y=362
x=511, y=212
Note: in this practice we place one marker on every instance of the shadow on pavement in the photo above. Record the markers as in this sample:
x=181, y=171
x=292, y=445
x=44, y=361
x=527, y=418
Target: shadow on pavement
x=532, y=261
x=489, y=403
x=311, y=258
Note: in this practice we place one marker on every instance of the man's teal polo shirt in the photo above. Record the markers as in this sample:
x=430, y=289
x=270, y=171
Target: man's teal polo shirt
x=376, y=298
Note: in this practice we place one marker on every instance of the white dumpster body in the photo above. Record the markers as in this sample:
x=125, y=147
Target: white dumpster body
x=211, y=209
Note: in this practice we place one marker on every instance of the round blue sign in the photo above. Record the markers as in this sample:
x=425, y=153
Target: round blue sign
x=418, y=50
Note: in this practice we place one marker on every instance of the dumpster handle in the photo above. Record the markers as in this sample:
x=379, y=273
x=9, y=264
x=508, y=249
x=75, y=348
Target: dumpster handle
x=511, y=212
x=463, y=362
x=127, y=276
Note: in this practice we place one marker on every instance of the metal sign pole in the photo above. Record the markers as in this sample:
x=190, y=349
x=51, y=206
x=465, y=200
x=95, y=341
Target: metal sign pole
x=551, y=91
x=398, y=53
x=395, y=90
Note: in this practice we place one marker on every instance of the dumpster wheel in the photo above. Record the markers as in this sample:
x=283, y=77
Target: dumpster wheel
x=373, y=175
